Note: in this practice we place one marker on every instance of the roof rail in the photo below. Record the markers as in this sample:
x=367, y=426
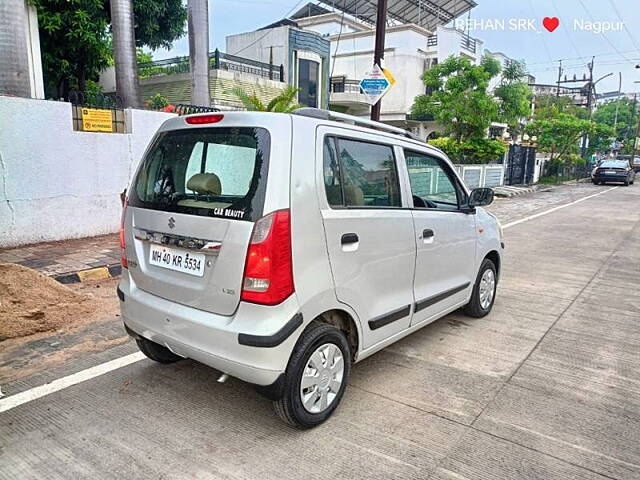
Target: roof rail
x=363, y=122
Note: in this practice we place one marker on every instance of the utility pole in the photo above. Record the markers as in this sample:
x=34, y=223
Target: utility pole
x=378, y=54
x=583, y=150
x=633, y=112
x=615, y=121
x=559, y=79
x=635, y=140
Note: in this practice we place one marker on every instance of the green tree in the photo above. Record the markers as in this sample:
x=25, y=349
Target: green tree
x=478, y=150
x=74, y=42
x=285, y=102
x=549, y=106
x=601, y=138
x=75, y=37
x=560, y=135
x=618, y=114
x=514, y=95
x=458, y=98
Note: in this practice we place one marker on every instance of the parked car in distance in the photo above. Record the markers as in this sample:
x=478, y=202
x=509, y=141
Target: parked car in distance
x=613, y=171
x=634, y=161
x=281, y=248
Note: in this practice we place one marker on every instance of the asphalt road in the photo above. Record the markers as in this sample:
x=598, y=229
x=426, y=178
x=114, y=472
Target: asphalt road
x=547, y=386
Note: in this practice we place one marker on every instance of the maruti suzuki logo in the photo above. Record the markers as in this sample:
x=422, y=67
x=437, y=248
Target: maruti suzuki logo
x=172, y=222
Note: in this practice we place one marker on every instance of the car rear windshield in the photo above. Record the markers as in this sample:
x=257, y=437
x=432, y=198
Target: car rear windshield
x=216, y=172
x=614, y=164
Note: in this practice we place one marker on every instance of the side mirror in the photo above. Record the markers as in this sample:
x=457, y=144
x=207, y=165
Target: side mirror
x=480, y=197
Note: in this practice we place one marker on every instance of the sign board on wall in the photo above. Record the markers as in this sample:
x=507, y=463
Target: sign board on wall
x=97, y=120
x=376, y=84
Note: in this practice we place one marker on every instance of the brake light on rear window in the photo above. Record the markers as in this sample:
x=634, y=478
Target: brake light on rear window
x=268, y=271
x=202, y=119
x=123, y=252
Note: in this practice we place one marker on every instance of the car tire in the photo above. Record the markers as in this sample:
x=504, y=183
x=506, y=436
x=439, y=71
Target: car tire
x=293, y=407
x=156, y=352
x=478, y=306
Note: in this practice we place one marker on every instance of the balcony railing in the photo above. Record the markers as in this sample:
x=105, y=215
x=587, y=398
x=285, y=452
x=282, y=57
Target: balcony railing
x=217, y=61
x=343, y=85
x=468, y=43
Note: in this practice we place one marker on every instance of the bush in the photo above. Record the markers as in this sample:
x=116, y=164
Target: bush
x=157, y=102
x=477, y=150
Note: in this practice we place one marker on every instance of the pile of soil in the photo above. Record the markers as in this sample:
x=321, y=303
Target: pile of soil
x=31, y=302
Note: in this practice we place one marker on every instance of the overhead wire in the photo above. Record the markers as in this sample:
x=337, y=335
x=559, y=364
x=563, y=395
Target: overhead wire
x=624, y=25
x=603, y=33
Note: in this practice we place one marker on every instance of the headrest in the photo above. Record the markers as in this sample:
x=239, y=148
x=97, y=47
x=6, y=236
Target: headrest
x=205, y=183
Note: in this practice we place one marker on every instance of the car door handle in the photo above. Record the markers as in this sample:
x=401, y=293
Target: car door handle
x=349, y=238
x=427, y=233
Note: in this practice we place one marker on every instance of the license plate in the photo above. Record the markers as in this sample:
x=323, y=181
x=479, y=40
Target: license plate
x=178, y=260
x=610, y=172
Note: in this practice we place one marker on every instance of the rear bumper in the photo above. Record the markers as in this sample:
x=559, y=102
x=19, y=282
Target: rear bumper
x=610, y=178
x=214, y=339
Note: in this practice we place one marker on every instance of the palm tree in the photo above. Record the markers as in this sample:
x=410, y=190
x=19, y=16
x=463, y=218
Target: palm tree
x=14, y=57
x=285, y=102
x=198, y=20
x=124, y=50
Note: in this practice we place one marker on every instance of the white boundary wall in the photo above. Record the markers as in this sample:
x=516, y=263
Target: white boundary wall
x=481, y=175
x=56, y=183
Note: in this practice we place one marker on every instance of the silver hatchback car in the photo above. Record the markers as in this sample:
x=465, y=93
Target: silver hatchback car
x=282, y=248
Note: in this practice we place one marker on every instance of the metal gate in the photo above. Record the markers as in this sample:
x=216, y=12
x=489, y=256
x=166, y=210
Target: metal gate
x=521, y=162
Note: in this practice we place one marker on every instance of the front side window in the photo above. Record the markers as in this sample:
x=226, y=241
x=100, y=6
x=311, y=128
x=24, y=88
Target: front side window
x=360, y=174
x=218, y=172
x=433, y=184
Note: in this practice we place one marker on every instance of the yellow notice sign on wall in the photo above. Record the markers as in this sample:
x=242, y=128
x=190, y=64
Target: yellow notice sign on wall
x=97, y=120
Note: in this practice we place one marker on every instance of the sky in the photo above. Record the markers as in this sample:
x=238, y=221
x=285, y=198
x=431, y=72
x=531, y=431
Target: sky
x=575, y=40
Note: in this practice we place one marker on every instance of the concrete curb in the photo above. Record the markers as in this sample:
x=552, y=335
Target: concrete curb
x=508, y=192
x=98, y=273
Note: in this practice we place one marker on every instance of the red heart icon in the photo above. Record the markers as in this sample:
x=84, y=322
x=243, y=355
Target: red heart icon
x=551, y=23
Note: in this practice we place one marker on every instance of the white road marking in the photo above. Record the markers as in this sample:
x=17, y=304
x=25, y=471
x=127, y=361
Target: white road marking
x=61, y=383
x=555, y=209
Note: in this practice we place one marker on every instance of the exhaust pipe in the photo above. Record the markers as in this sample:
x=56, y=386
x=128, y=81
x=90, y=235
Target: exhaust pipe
x=223, y=378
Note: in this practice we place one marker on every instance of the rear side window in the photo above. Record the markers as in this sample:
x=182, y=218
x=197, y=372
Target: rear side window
x=360, y=174
x=217, y=172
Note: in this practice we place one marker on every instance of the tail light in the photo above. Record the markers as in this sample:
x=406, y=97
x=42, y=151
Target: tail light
x=202, y=119
x=268, y=271
x=123, y=251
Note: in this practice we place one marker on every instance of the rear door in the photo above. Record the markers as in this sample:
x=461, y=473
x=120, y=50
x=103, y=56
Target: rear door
x=191, y=211
x=445, y=235
x=369, y=235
